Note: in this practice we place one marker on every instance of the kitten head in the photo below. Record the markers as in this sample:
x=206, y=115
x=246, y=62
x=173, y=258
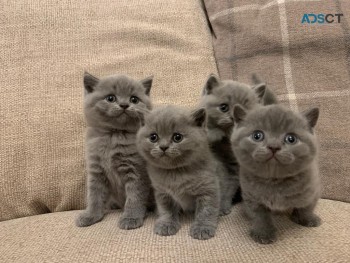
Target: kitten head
x=116, y=102
x=272, y=141
x=220, y=97
x=173, y=137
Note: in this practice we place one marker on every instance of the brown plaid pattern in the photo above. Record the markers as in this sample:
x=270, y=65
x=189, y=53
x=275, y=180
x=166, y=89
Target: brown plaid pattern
x=305, y=64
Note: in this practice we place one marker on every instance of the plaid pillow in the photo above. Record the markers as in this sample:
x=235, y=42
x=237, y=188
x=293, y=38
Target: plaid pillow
x=306, y=64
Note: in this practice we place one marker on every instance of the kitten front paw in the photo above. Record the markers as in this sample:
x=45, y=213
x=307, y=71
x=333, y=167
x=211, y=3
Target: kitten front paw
x=263, y=236
x=87, y=219
x=166, y=228
x=128, y=223
x=224, y=211
x=308, y=221
x=202, y=232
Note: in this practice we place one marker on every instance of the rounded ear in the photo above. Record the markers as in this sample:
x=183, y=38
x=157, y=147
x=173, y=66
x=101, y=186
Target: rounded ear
x=238, y=113
x=89, y=82
x=212, y=82
x=311, y=116
x=147, y=83
x=198, y=117
x=260, y=90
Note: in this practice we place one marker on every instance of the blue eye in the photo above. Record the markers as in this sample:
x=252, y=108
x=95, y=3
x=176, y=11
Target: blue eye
x=290, y=139
x=177, y=137
x=257, y=136
x=111, y=98
x=224, y=107
x=153, y=137
x=134, y=99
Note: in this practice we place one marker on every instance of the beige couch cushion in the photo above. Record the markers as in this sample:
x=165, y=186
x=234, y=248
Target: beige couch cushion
x=305, y=64
x=54, y=238
x=44, y=48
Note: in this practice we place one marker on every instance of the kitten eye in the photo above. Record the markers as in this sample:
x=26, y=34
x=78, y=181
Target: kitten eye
x=134, y=99
x=111, y=98
x=290, y=139
x=153, y=137
x=258, y=136
x=224, y=107
x=177, y=137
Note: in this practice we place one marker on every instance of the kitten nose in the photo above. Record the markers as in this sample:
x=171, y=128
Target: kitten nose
x=163, y=148
x=124, y=106
x=274, y=148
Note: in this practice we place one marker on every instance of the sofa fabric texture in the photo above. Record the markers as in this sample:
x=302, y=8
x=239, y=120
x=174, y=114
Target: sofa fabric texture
x=305, y=64
x=54, y=238
x=45, y=47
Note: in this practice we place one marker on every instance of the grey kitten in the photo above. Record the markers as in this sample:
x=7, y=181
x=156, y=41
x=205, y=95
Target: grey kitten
x=219, y=98
x=182, y=170
x=277, y=152
x=115, y=107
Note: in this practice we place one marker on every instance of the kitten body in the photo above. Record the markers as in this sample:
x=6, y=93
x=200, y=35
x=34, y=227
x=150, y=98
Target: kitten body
x=182, y=170
x=277, y=152
x=219, y=98
x=114, y=108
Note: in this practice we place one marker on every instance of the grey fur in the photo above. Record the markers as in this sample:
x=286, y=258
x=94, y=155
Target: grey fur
x=184, y=173
x=268, y=97
x=220, y=125
x=290, y=180
x=116, y=172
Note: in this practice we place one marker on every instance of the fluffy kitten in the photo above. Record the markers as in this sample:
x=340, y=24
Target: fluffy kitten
x=277, y=152
x=219, y=98
x=182, y=170
x=114, y=110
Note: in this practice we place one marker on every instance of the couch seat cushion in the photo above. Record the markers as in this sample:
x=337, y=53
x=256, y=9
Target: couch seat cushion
x=55, y=238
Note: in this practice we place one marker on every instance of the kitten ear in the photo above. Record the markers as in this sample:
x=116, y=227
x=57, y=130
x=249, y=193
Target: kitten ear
x=198, y=117
x=260, y=90
x=212, y=82
x=238, y=113
x=311, y=116
x=89, y=82
x=147, y=83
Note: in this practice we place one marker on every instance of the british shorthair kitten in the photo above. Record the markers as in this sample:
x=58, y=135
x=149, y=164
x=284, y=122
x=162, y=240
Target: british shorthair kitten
x=183, y=172
x=219, y=98
x=114, y=108
x=277, y=152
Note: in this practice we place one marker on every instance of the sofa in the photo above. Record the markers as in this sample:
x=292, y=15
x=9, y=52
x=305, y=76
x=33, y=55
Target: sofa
x=45, y=47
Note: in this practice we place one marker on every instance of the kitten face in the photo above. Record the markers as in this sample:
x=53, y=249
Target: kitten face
x=116, y=102
x=219, y=98
x=172, y=137
x=274, y=141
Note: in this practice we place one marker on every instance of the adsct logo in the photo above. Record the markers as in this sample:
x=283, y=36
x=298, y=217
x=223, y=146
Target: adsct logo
x=321, y=18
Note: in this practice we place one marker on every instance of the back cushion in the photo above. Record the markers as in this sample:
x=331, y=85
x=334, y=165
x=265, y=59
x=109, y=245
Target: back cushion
x=45, y=47
x=305, y=64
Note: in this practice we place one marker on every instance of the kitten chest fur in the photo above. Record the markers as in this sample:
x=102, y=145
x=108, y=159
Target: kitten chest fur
x=179, y=184
x=117, y=155
x=280, y=194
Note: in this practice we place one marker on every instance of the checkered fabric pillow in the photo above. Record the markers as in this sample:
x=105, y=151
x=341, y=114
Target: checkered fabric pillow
x=306, y=64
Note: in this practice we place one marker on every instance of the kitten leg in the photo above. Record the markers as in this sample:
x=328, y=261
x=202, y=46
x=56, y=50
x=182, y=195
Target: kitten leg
x=263, y=230
x=98, y=193
x=167, y=222
x=137, y=193
x=305, y=216
x=227, y=193
x=206, y=217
